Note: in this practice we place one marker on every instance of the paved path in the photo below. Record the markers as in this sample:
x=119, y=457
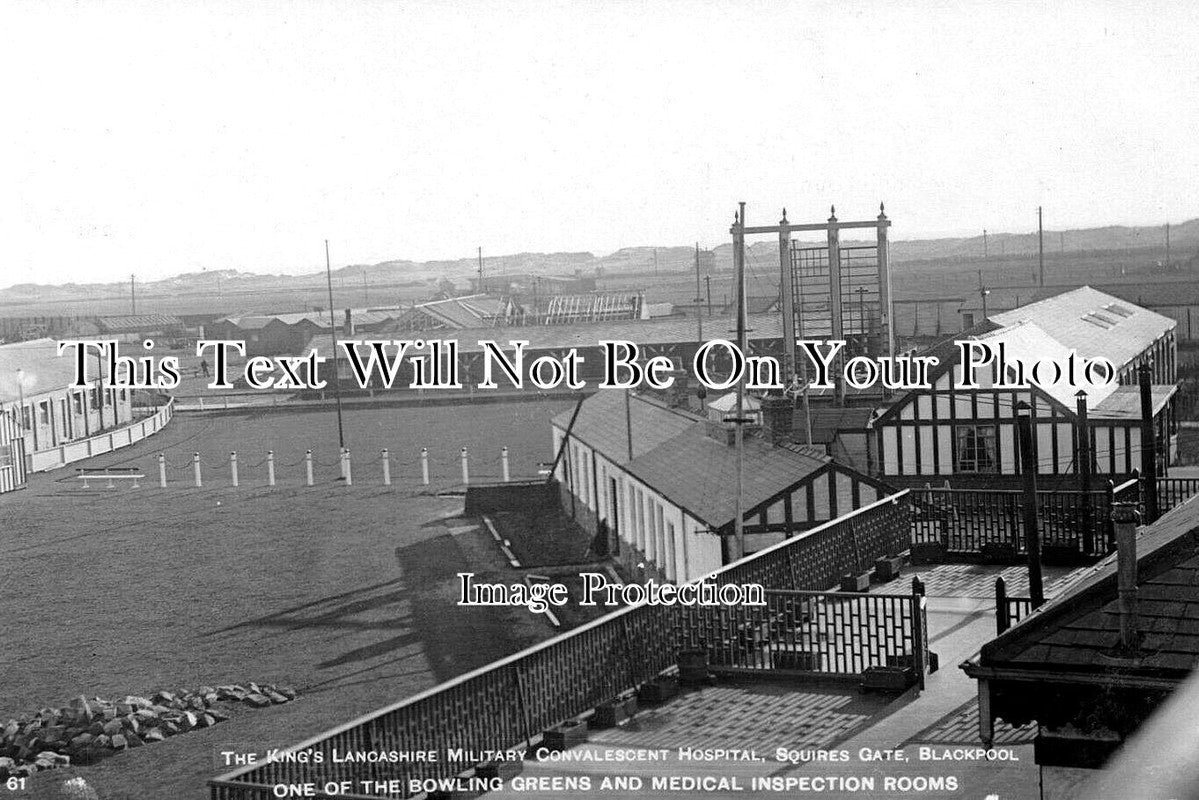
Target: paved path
x=877, y=742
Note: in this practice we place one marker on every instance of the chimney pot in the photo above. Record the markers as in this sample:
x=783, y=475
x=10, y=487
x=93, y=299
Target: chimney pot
x=1125, y=517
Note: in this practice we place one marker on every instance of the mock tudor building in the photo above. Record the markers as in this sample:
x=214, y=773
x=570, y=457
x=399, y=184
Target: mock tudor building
x=968, y=436
x=663, y=482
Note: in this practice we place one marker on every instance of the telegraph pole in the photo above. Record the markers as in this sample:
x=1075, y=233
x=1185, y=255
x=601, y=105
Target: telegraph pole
x=739, y=435
x=481, y=290
x=1040, y=249
x=133, y=293
x=984, y=244
x=708, y=286
x=1167, y=245
x=341, y=434
x=699, y=299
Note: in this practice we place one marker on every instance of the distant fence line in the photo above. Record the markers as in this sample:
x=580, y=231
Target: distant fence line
x=234, y=470
x=106, y=442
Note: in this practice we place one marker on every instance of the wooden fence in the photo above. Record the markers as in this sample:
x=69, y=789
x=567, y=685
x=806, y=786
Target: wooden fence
x=514, y=699
x=953, y=523
x=835, y=634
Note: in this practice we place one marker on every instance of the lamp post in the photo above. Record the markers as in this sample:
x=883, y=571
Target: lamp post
x=21, y=399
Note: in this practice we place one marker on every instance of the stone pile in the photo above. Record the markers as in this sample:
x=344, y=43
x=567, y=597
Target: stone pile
x=84, y=730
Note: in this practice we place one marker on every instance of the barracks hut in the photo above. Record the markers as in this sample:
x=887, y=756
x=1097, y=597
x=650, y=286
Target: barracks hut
x=662, y=480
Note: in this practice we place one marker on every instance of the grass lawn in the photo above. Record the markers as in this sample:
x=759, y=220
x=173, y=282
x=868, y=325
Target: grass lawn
x=345, y=593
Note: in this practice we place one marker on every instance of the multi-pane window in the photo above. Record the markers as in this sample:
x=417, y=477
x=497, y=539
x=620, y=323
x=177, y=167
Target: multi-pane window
x=5, y=456
x=976, y=449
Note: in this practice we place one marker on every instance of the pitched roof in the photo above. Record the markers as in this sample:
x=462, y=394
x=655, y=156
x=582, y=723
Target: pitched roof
x=696, y=472
x=1093, y=323
x=670, y=330
x=42, y=369
x=1079, y=630
x=1125, y=402
x=673, y=454
x=138, y=322
x=602, y=423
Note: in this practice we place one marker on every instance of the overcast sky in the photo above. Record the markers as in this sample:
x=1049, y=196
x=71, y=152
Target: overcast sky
x=165, y=137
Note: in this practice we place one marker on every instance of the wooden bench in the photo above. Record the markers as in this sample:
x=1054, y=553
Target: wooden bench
x=110, y=474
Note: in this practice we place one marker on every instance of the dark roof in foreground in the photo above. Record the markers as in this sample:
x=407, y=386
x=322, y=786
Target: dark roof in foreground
x=673, y=454
x=1079, y=630
x=698, y=472
x=602, y=423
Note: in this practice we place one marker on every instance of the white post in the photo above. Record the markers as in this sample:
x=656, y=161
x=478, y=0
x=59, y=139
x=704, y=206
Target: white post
x=386, y=468
x=346, y=467
x=308, y=466
x=196, y=469
x=465, y=469
x=504, y=463
x=233, y=468
x=270, y=467
x=162, y=471
x=424, y=465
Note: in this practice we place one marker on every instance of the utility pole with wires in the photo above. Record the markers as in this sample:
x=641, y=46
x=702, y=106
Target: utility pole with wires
x=1040, y=249
x=133, y=294
x=699, y=299
x=708, y=287
x=481, y=288
x=341, y=434
x=984, y=244
x=739, y=420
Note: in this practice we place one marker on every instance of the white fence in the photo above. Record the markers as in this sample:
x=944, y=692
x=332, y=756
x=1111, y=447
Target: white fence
x=115, y=439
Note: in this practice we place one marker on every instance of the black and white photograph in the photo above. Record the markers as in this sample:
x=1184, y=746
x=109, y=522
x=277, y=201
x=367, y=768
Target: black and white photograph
x=619, y=399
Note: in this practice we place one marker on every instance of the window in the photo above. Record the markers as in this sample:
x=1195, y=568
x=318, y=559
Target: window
x=976, y=448
x=78, y=402
x=43, y=412
x=5, y=456
x=26, y=422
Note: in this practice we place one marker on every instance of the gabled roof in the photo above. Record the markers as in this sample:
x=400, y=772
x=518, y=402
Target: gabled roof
x=1093, y=323
x=253, y=322
x=602, y=423
x=697, y=473
x=1078, y=631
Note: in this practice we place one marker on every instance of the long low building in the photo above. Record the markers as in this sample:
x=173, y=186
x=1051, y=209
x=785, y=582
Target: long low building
x=35, y=388
x=662, y=482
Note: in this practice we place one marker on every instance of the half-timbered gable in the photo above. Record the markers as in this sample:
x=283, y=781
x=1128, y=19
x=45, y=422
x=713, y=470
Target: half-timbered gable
x=969, y=434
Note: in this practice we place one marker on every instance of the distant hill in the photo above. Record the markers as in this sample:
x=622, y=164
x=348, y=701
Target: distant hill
x=637, y=260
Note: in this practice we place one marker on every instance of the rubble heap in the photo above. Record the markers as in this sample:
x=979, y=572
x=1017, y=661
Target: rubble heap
x=84, y=730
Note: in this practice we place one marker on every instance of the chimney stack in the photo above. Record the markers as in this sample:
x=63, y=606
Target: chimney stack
x=1125, y=517
x=349, y=329
x=777, y=418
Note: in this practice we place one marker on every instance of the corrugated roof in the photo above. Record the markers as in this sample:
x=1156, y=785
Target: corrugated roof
x=1079, y=630
x=1093, y=323
x=138, y=322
